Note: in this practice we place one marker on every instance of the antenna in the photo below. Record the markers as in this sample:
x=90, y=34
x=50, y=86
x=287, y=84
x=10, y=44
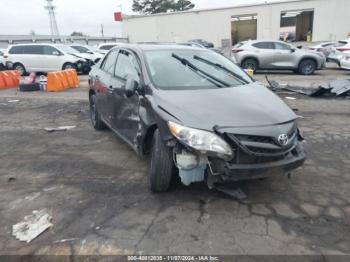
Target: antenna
x=53, y=24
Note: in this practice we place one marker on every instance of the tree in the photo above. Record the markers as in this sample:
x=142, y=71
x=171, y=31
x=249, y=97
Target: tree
x=160, y=6
x=77, y=34
x=183, y=5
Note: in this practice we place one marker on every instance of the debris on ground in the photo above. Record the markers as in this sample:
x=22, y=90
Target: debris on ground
x=337, y=88
x=32, y=226
x=11, y=179
x=66, y=240
x=290, y=98
x=32, y=196
x=60, y=128
x=13, y=101
x=236, y=192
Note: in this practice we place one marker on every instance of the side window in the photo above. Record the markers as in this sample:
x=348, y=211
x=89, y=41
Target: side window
x=109, y=62
x=127, y=65
x=32, y=49
x=16, y=50
x=264, y=45
x=282, y=46
x=50, y=50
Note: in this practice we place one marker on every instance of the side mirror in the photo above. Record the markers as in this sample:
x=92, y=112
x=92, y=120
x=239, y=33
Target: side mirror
x=293, y=50
x=55, y=53
x=89, y=52
x=131, y=86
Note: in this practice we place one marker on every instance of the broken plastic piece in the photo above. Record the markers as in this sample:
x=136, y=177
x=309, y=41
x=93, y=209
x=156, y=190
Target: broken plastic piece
x=232, y=192
x=60, y=128
x=32, y=226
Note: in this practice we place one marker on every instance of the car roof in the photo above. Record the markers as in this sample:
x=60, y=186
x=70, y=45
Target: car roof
x=154, y=47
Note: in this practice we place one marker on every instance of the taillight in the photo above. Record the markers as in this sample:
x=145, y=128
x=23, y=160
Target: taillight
x=343, y=49
x=237, y=50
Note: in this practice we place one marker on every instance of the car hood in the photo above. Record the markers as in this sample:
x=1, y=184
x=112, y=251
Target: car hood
x=250, y=105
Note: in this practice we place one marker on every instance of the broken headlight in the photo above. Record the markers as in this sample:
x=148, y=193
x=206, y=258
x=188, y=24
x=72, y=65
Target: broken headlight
x=203, y=141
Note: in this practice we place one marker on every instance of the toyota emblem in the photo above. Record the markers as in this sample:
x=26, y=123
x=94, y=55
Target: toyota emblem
x=283, y=140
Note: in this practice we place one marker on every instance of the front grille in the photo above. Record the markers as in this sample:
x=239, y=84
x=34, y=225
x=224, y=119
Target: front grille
x=262, y=145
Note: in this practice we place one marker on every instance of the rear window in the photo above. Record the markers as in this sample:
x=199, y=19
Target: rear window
x=15, y=50
x=238, y=45
x=107, y=47
x=264, y=45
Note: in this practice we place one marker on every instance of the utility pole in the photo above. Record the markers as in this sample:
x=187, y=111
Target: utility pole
x=53, y=24
x=102, y=31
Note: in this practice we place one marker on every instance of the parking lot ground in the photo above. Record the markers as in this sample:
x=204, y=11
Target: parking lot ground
x=96, y=188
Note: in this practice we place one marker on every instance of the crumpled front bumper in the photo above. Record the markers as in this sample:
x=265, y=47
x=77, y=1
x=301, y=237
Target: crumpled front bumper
x=222, y=171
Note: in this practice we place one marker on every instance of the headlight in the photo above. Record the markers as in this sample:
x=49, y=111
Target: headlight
x=202, y=141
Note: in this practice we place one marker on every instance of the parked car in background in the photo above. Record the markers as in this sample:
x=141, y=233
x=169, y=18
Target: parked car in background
x=193, y=44
x=2, y=61
x=345, y=60
x=87, y=63
x=87, y=52
x=277, y=55
x=337, y=51
x=195, y=113
x=41, y=58
x=324, y=47
x=104, y=48
x=202, y=42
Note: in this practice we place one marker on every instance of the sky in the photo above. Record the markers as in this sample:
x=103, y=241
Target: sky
x=86, y=16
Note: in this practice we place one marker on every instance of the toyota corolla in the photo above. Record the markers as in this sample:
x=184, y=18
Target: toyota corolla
x=195, y=114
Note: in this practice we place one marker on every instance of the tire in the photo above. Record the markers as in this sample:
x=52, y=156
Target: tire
x=95, y=116
x=307, y=67
x=161, y=165
x=68, y=66
x=20, y=68
x=250, y=63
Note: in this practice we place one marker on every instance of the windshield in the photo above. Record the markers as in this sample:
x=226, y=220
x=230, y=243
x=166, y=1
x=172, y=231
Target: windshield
x=81, y=49
x=193, y=69
x=67, y=49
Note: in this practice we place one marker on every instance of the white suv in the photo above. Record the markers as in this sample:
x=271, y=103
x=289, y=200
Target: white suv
x=41, y=58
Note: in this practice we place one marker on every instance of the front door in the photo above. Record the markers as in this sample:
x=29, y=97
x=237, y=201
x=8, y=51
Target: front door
x=284, y=56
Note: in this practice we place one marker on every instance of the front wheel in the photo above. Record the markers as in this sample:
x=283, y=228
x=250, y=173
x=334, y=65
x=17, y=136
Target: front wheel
x=68, y=66
x=95, y=116
x=307, y=67
x=162, y=165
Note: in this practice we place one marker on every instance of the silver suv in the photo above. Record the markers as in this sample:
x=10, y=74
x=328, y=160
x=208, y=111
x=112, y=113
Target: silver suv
x=277, y=55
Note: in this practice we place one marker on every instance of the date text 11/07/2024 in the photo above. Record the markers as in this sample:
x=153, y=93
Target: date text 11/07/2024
x=173, y=258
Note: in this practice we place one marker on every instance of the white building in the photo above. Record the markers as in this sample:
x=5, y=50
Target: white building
x=298, y=20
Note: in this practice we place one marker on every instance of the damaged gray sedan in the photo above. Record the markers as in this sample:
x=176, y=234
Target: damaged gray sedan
x=195, y=113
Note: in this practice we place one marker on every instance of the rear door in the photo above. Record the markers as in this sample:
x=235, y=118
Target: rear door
x=30, y=58
x=265, y=51
x=284, y=57
x=103, y=77
x=125, y=110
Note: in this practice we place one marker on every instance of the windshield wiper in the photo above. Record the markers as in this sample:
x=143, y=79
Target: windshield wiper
x=200, y=72
x=240, y=78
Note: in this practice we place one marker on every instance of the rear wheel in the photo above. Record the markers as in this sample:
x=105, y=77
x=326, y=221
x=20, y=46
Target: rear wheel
x=20, y=68
x=95, y=116
x=250, y=63
x=161, y=166
x=307, y=67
